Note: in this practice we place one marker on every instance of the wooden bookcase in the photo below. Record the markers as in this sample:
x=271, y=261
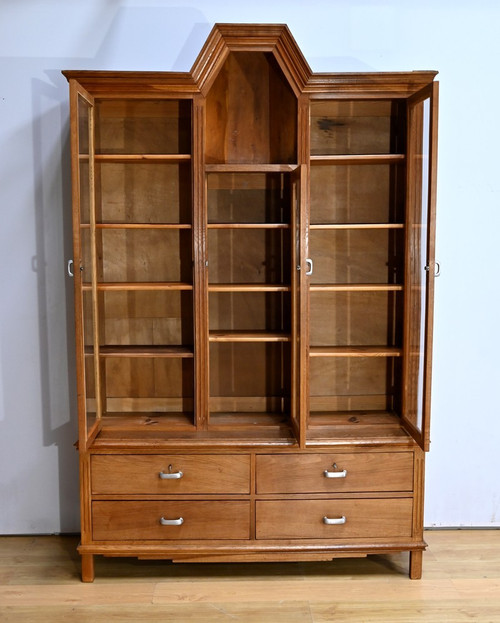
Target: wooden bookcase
x=254, y=267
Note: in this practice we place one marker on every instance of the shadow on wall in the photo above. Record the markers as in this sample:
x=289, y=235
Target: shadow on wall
x=147, y=39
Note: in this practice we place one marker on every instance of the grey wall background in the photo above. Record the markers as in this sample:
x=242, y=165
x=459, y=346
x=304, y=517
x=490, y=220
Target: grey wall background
x=38, y=38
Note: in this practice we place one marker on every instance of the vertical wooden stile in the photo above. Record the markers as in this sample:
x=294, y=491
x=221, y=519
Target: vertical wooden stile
x=200, y=269
x=93, y=253
x=304, y=207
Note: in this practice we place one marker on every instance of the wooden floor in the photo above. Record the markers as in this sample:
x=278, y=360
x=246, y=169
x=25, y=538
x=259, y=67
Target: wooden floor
x=39, y=581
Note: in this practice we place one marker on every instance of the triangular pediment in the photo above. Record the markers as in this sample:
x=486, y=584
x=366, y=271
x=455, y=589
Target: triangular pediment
x=275, y=39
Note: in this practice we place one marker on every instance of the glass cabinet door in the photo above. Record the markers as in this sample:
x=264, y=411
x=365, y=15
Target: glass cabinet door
x=83, y=269
x=420, y=265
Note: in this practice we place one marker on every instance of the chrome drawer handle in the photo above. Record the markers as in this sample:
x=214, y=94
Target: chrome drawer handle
x=341, y=474
x=170, y=475
x=309, y=263
x=334, y=522
x=171, y=522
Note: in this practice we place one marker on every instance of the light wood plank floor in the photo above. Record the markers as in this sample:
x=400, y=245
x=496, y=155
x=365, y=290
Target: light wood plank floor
x=39, y=581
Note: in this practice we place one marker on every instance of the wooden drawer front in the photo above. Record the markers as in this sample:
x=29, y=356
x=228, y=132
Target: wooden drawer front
x=303, y=519
x=364, y=471
x=128, y=474
x=115, y=521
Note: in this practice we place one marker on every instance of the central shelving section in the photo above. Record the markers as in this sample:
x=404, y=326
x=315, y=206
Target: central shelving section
x=249, y=166
x=249, y=284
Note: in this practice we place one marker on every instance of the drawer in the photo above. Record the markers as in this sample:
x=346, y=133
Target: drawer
x=145, y=520
x=335, y=472
x=170, y=474
x=334, y=519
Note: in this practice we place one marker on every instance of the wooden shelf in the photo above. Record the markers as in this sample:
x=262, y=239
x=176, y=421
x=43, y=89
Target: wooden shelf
x=146, y=351
x=358, y=159
x=136, y=286
x=248, y=287
x=250, y=168
x=355, y=287
x=143, y=158
x=231, y=420
x=138, y=226
x=248, y=336
x=355, y=351
x=358, y=427
x=176, y=429
x=248, y=226
x=323, y=226
x=138, y=421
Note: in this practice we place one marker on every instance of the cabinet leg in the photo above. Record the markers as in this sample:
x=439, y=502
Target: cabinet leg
x=416, y=564
x=88, y=568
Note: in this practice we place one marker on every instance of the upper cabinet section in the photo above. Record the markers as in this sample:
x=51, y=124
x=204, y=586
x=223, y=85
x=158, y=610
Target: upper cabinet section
x=251, y=112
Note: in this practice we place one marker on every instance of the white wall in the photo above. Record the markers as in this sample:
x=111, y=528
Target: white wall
x=38, y=465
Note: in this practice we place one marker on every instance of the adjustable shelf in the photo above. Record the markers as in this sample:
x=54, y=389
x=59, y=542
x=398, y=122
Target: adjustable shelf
x=355, y=351
x=250, y=168
x=140, y=225
x=160, y=158
x=146, y=351
x=356, y=287
x=356, y=226
x=248, y=287
x=248, y=226
x=248, y=336
x=135, y=285
x=358, y=159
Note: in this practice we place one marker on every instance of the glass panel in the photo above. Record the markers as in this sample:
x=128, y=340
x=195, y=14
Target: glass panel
x=341, y=319
x=356, y=256
x=357, y=127
x=418, y=232
x=369, y=193
x=249, y=256
x=248, y=198
x=148, y=384
x=144, y=193
x=250, y=378
x=143, y=127
x=147, y=318
x=85, y=190
x=353, y=383
x=256, y=311
x=144, y=255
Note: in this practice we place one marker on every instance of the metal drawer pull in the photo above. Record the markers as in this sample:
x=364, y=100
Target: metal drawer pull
x=341, y=474
x=309, y=262
x=70, y=268
x=334, y=522
x=171, y=475
x=171, y=522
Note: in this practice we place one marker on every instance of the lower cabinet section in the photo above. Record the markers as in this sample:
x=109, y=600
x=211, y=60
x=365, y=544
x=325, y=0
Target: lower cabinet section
x=334, y=519
x=254, y=505
x=172, y=520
